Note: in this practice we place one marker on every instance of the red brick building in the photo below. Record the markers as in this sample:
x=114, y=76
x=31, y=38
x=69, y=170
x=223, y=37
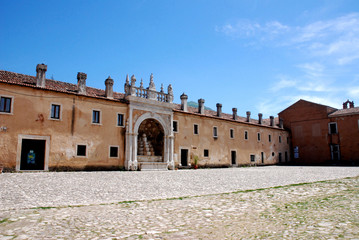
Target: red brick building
x=321, y=134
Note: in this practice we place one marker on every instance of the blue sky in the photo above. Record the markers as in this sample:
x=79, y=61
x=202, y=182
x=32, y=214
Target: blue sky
x=258, y=56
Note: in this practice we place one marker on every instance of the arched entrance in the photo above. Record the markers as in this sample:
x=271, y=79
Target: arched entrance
x=149, y=144
x=150, y=141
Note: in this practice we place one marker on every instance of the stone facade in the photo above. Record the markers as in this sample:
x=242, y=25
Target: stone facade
x=52, y=125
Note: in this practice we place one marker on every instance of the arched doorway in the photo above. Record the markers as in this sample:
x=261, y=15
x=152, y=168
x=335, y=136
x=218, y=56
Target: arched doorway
x=150, y=141
x=154, y=129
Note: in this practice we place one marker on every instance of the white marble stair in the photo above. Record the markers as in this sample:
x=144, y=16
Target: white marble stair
x=153, y=166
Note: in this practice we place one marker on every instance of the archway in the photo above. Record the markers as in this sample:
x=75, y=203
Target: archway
x=150, y=141
x=157, y=130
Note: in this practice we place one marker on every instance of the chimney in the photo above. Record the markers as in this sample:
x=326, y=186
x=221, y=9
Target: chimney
x=81, y=82
x=201, y=106
x=280, y=123
x=41, y=75
x=260, y=116
x=345, y=105
x=109, y=87
x=184, y=98
x=248, y=116
x=271, y=121
x=219, y=109
x=234, y=110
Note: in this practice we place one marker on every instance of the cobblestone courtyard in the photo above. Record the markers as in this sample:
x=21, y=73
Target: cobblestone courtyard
x=240, y=203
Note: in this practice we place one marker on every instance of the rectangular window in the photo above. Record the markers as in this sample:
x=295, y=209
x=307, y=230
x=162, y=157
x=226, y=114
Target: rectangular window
x=5, y=104
x=258, y=136
x=287, y=140
x=175, y=126
x=120, y=120
x=333, y=128
x=253, y=158
x=205, y=153
x=231, y=133
x=270, y=138
x=95, y=116
x=114, y=151
x=215, y=133
x=280, y=139
x=195, y=129
x=55, y=111
x=262, y=157
x=245, y=135
x=81, y=150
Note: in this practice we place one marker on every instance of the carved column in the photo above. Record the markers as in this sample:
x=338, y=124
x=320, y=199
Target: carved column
x=171, y=163
x=128, y=155
x=166, y=150
x=134, y=152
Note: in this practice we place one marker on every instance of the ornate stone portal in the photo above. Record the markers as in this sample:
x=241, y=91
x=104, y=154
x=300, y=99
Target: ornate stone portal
x=149, y=134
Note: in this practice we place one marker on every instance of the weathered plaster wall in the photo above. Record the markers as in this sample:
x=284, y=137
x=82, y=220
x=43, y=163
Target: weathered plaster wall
x=220, y=148
x=31, y=116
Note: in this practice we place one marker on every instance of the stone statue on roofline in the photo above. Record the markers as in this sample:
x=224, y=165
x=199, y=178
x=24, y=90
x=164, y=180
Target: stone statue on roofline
x=127, y=86
x=170, y=94
x=133, y=85
x=152, y=84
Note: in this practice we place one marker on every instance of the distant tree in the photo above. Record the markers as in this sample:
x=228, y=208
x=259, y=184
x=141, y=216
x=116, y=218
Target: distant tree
x=194, y=104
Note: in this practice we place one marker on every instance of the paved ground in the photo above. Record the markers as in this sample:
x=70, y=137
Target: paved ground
x=37, y=205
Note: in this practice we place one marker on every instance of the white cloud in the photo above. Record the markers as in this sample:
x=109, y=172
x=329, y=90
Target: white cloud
x=324, y=100
x=337, y=38
x=312, y=70
x=276, y=104
x=354, y=92
x=275, y=27
x=284, y=82
x=327, y=53
x=245, y=29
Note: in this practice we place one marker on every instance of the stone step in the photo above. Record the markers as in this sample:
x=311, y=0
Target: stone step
x=149, y=158
x=153, y=166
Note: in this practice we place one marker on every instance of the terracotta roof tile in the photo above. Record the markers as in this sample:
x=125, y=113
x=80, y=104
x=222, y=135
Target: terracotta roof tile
x=30, y=81
x=342, y=112
x=69, y=88
x=226, y=116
